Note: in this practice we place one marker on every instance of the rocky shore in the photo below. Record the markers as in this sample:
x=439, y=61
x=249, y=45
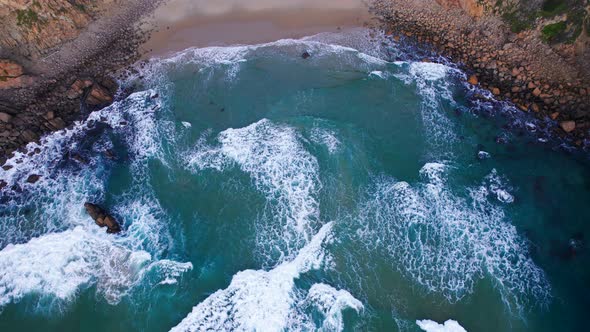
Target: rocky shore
x=549, y=80
x=58, y=59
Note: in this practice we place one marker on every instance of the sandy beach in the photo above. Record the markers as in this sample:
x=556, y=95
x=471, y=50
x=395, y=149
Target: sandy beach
x=180, y=24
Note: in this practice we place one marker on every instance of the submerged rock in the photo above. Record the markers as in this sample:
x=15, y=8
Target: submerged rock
x=33, y=178
x=102, y=218
x=305, y=55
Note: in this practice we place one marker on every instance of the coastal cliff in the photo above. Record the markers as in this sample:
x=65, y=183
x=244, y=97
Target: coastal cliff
x=535, y=54
x=57, y=59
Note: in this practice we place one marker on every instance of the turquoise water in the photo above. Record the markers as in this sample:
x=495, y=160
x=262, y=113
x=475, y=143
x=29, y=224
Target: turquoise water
x=354, y=190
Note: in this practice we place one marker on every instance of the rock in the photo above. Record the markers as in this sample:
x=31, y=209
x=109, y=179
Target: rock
x=3, y=184
x=5, y=117
x=305, y=55
x=98, y=96
x=568, y=126
x=496, y=91
x=57, y=123
x=554, y=115
x=77, y=88
x=110, y=154
x=78, y=158
x=10, y=68
x=473, y=80
x=33, y=178
x=29, y=135
x=535, y=108
x=102, y=218
x=536, y=92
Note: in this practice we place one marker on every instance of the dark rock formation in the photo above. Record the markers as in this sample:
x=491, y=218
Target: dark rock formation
x=102, y=218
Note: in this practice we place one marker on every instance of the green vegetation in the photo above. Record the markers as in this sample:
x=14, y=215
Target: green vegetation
x=551, y=8
x=551, y=31
x=26, y=17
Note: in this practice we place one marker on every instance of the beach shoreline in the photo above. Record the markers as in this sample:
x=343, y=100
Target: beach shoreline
x=50, y=97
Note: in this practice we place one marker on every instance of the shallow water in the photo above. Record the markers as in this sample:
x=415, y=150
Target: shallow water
x=354, y=190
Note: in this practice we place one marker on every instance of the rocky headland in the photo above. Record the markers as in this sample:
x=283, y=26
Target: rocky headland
x=535, y=54
x=58, y=59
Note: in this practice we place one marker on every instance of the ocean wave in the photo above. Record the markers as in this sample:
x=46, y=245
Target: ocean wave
x=432, y=326
x=434, y=87
x=446, y=242
x=283, y=170
x=269, y=300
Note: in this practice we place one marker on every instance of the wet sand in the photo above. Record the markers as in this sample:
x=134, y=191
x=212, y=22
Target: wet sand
x=180, y=24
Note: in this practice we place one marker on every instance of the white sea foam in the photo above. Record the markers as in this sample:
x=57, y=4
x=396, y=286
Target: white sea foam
x=432, y=326
x=446, y=243
x=330, y=302
x=59, y=265
x=433, y=87
x=186, y=124
x=267, y=300
x=52, y=263
x=327, y=138
x=282, y=169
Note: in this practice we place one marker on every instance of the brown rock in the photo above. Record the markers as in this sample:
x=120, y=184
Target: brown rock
x=5, y=117
x=535, y=108
x=10, y=68
x=57, y=123
x=98, y=95
x=554, y=115
x=568, y=126
x=496, y=91
x=473, y=80
x=33, y=178
x=77, y=88
x=536, y=92
x=102, y=218
x=29, y=135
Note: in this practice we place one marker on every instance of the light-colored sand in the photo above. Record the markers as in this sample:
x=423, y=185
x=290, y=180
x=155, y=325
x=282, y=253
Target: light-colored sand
x=181, y=24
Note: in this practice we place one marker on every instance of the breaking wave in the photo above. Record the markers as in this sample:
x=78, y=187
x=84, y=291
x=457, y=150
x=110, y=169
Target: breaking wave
x=259, y=300
x=446, y=242
x=283, y=170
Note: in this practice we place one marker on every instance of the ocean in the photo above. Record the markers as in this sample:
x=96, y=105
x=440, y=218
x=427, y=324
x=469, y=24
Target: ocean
x=358, y=189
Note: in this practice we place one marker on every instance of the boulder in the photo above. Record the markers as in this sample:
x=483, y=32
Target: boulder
x=77, y=88
x=568, y=126
x=496, y=91
x=10, y=68
x=473, y=80
x=305, y=55
x=102, y=218
x=5, y=117
x=98, y=96
x=33, y=178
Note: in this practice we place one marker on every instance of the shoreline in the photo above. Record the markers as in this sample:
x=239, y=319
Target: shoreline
x=504, y=63
x=88, y=83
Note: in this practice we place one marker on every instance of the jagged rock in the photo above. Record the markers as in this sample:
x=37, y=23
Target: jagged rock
x=473, y=80
x=77, y=88
x=99, y=96
x=496, y=91
x=305, y=55
x=29, y=135
x=10, y=68
x=57, y=123
x=33, y=178
x=102, y=218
